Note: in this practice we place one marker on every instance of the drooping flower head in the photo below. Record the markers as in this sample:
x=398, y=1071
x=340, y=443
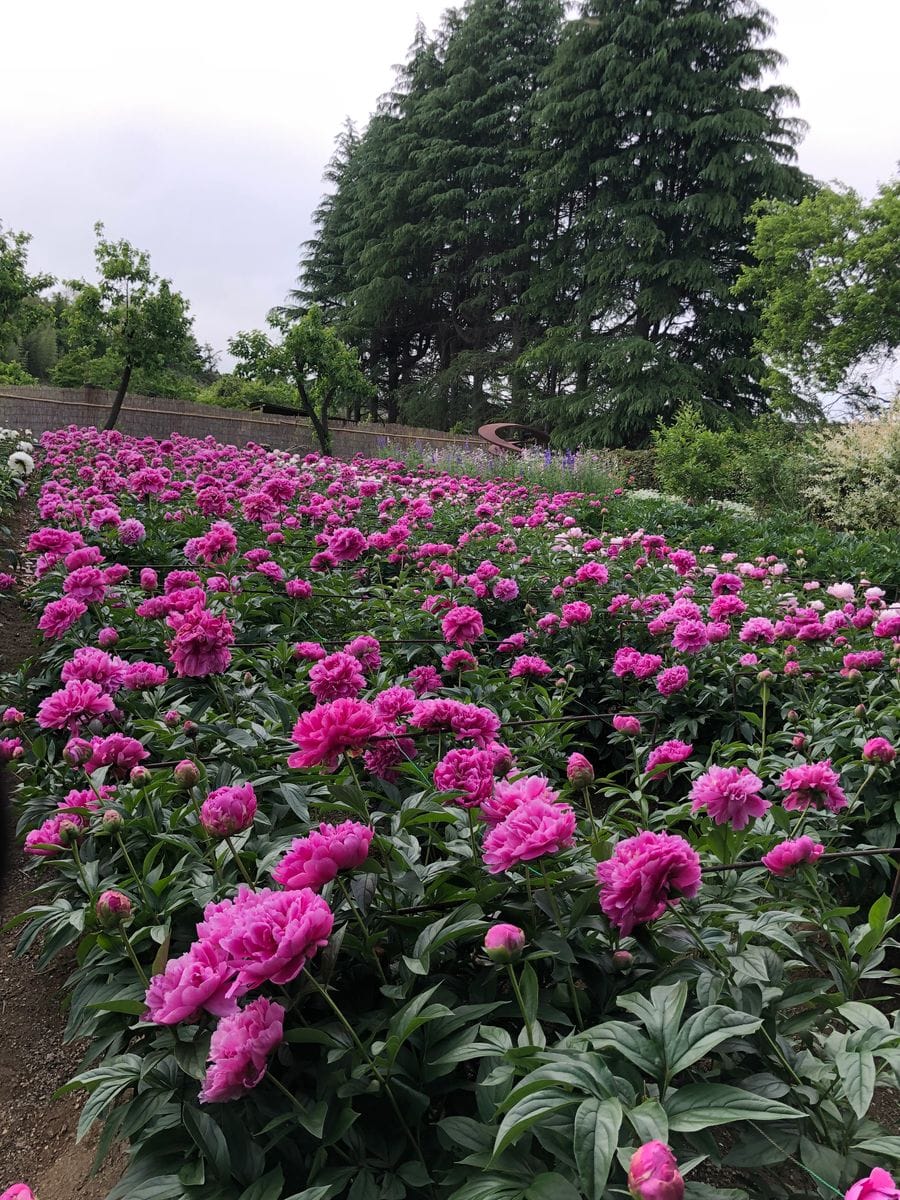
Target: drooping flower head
x=811, y=785
x=644, y=875
x=239, y=1050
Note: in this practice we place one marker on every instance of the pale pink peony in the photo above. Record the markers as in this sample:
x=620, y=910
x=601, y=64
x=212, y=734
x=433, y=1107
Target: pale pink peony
x=730, y=796
x=239, y=1050
x=645, y=874
x=314, y=860
x=534, y=828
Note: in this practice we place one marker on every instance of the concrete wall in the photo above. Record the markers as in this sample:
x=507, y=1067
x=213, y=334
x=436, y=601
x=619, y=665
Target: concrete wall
x=43, y=408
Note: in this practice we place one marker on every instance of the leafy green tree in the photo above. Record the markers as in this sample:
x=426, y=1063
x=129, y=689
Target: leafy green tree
x=131, y=320
x=826, y=278
x=658, y=131
x=20, y=308
x=311, y=358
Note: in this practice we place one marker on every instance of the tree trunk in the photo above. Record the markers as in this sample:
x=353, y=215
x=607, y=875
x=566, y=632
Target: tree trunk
x=320, y=427
x=120, y=398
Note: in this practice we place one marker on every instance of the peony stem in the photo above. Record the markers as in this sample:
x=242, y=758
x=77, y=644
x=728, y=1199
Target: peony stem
x=134, y=958
x=515, y=987
x=362, y=925
x=137, y=878
x=237, y=859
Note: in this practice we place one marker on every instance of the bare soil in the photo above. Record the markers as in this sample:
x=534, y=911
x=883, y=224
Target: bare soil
x=37, y=1133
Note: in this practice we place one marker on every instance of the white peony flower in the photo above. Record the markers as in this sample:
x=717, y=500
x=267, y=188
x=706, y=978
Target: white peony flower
x=20, y=463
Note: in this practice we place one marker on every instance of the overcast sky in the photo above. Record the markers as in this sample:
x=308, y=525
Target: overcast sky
x=199, y=129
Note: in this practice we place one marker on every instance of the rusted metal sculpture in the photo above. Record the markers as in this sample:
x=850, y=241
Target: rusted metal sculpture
x=499, y=445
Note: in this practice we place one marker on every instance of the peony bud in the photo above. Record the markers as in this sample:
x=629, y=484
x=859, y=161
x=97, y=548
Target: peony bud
x=186, y=773
x=13, y=716
x=190, y=728
x=798, y=741
x=623, y=960
x=626, y=724
x=139, y=776
x=70, y=832
x=579, y=771
x=793, y=715
x=880, y=750
x=763, y=676
x=859, y=711
x=653, y=1173
x=76, y=751
x=504, y=943
x=107, y=637
x=112, y=820
x=113, y=908
x=172, y=718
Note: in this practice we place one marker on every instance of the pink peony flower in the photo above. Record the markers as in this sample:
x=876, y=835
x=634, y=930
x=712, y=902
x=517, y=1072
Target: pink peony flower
x=335, y=676
x=239, y=1050
x=18, y=1191
x=626, y=724
x=469, y=772
x=117, y=751
x=112, y=908
x=344, y=726
x=529, y=666
x=730, y=796
x=199, y=979
x=667, y=755
x=11, y=749
x=880, y=750
x=576, y=613
x=784, y=858
x=462, y=624
x=812, y=784
x=504, y=943
x=534, y=828
x=346, y=545
x=879, y=1185
x=757, y=630
x=645, y=874
x=510, y=795
x=60, y=615
x=672, y=680
x=653, y=1173
x=272, y=935
x=201, y=643
x=77, y=702
x=690, y=636
x=309, y=651
x=228, y=810
x=314, y=860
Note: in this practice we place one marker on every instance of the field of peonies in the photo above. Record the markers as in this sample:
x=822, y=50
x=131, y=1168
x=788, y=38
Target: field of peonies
x=418, y=835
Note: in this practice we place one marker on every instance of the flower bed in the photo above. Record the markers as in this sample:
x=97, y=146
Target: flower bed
x=426, y=836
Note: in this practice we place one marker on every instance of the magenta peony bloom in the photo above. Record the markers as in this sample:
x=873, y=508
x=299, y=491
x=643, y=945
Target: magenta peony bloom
x=240, y=1049
x=690, y=636
x=757, y=630
x=96, y=665
x=314, y=860
x=812, y=784
x=228, y=810
x=645, y=873
x=879, y=1185
x=112, y=908
x=309, y=651
x=784, y=858
x=880, y=750
x=116, y=751
x=730, y=796
x=529, y=666
x=11, y=749
x=504, y=943
x=346, y=545
x=626, y=724
x=87, y=584
x=667, y=755
x=577, y=613
x=199, y=979
x=335, y=676
x=142, y=675
x=270, y=936
x=77, y=702
x=508, y=796
x=18, y=1191
x=60, y=615
x=201, y=643
x=344, y=726
x=672, y=680
x=462, y=624
x=469, y=772
x=367, y=650
x=579, y=771
x=534, y=828
x=653, y=1173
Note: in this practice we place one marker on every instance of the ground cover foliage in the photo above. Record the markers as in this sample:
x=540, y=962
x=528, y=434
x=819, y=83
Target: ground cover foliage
x=407, y=832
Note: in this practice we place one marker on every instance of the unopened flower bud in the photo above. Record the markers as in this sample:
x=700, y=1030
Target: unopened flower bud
x=76, y=751
x=112, y=819
x=622, y=960
x=172, y=718
x=504, y=943
x=860, y=710
x=186, y=773
x=653, y=1173
x=764, y=675
x=579, y=771
x=798, y=741
x=13, y=716
x=248, y=679
x=107, y=637
x=69, y=832
x=113, y=908
x=190, y=728
x=139, y=776
x=793, y=715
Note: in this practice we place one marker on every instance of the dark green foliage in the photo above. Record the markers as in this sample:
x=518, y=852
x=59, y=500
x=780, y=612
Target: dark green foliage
x=545, y=219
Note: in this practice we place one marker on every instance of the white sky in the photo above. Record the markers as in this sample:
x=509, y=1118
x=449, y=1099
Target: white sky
x=199, y=130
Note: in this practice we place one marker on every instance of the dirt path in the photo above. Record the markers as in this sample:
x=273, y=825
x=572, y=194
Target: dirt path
x=37, y=1133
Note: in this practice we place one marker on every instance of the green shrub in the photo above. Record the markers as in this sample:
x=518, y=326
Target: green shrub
x=771, y=463
x=856, y=480
x=693, y=461
x=14, y=374
x=229, y=391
